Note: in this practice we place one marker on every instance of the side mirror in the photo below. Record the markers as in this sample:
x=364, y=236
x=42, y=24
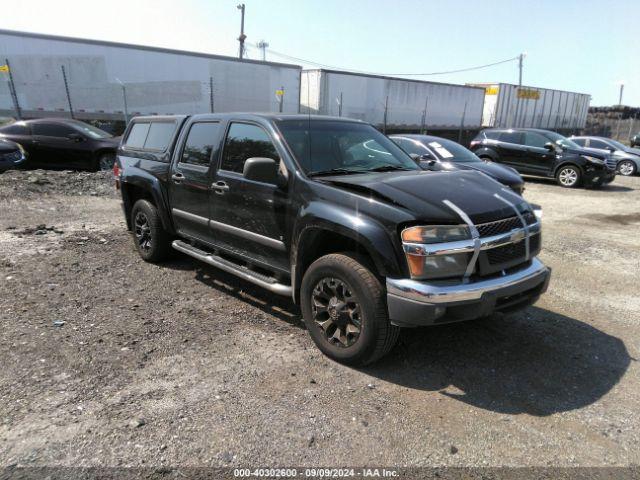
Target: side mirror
x=550, y=146
x=415, y=157
x=76, y=137
x=261, y=169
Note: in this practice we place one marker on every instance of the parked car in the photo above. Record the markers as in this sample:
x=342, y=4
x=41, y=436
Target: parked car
x=627, y=158
x=544, y=153
x=333, y=214
x=635, y=140
x=12, y=155
x=63, y=143
x=435, y=153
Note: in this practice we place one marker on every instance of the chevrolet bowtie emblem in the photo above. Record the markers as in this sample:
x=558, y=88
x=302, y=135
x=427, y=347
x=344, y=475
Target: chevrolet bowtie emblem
x=517, y=236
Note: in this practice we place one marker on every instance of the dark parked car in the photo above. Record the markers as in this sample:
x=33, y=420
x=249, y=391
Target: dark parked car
x=544, y=153
x=333, y=214
x=435, y=153
x=627, y=158
x=635, y=140
x=63, y=143
x=12, y=155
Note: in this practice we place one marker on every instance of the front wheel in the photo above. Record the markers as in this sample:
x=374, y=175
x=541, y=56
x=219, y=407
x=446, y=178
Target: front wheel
x=627, y=168
x=569, y=176
x=345, y=311
x=104, y=162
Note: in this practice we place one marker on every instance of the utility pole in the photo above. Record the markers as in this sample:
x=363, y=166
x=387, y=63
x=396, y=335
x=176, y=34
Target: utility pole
x=262, y=45
x=621, y=90
x=242, y=36
x=66, y=88
x=464, y=113
x=281, y=99
x=520, y=59
x=340, y=105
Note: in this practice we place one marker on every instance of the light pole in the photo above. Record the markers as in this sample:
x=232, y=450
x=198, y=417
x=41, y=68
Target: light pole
x=124, y=98
x=242, y=36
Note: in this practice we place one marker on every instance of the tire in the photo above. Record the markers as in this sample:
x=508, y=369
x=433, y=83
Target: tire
x=104, y=162
x=365, y=304
x=627, y=168
x=569, y=176
x=152, y=242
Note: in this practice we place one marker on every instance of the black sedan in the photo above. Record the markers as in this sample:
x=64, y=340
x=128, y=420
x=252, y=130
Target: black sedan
x=12, y=155
x=63, y=143
x=437, y=153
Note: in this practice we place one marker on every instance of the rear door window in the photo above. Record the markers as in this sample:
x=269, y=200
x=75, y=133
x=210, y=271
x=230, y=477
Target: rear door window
x=597, y=144
x=201, y=142
x=491, y=134
x=159, y=136
x=52, y=130
x=137, y=135
x=246, y=141
x=511, y=137
x=580, y=141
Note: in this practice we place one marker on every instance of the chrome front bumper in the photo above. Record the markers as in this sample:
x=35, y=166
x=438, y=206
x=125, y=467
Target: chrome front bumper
x=414, y=303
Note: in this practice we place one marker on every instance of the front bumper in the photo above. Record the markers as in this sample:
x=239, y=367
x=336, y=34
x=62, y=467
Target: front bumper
x=599, y=176
x=418, y=303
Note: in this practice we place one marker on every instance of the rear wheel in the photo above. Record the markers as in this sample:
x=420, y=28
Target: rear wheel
x=627, y=168
x=344, y=309
x=569, y=176
x=151, y=240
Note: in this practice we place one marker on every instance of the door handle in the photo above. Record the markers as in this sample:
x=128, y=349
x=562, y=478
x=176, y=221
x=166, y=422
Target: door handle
x=220, y=187
x=177, y=177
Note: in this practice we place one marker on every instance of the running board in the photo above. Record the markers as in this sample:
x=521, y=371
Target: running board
x=241, y=271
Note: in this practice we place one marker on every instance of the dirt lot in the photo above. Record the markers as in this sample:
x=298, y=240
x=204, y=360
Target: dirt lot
x=108, y=360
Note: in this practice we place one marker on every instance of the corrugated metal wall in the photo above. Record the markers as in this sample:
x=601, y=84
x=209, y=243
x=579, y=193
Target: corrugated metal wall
x=156, y=80
x=364, y=97
x=510, y=106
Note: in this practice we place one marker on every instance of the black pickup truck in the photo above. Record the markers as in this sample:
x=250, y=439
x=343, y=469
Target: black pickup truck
x=331, y=213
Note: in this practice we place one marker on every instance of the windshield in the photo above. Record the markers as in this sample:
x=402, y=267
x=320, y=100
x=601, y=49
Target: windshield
x=449, y=151
x=562, y=141
x=618, y=145
x=91, y=131
x=325, y=146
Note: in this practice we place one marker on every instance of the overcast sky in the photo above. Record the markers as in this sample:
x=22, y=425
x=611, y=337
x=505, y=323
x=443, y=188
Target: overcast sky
x=577, y=45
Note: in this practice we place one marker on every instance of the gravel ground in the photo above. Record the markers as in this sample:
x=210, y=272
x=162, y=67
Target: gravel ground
x=108, y=360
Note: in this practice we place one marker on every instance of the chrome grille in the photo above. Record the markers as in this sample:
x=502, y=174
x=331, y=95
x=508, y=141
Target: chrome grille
x=506, y=253
x=505, y=225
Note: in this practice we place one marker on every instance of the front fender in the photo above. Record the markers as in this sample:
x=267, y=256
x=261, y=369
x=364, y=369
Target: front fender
x=375, y=237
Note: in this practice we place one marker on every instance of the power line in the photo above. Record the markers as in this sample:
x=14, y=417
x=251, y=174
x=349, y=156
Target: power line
x=333, y=67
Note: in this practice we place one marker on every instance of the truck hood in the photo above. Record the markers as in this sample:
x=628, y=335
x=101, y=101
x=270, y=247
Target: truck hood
x=423, y=194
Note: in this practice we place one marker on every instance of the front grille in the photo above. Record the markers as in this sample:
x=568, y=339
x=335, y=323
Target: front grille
x=506, y=253
x=11, y=156
x=610, y=162
x=504, y=226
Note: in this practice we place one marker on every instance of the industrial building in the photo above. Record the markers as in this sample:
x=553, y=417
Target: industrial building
x=513, y=106
x=393, y=104
x=51, y=75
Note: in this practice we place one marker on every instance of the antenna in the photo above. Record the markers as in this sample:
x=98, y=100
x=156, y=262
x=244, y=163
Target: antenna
x=262, y=45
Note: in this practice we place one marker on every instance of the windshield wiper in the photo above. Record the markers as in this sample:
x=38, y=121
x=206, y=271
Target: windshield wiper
x=388, y=168
x=334, y=171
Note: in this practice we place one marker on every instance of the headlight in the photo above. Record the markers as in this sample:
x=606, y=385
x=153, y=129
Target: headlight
x=595, y=160
x=436, y=234
x=429, y=264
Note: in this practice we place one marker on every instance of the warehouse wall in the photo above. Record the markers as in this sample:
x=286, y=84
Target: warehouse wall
x=156, y=80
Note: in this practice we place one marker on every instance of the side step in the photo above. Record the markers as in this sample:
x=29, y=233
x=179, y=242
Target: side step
x=241, y=271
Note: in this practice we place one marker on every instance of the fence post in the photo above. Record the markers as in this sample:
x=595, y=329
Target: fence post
x=384, y=121
x=66, y=88
x=281, y=99
x=340, y=106
x=464, y=112
x=423, y=125
x=211, y=94
x=12, y=91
